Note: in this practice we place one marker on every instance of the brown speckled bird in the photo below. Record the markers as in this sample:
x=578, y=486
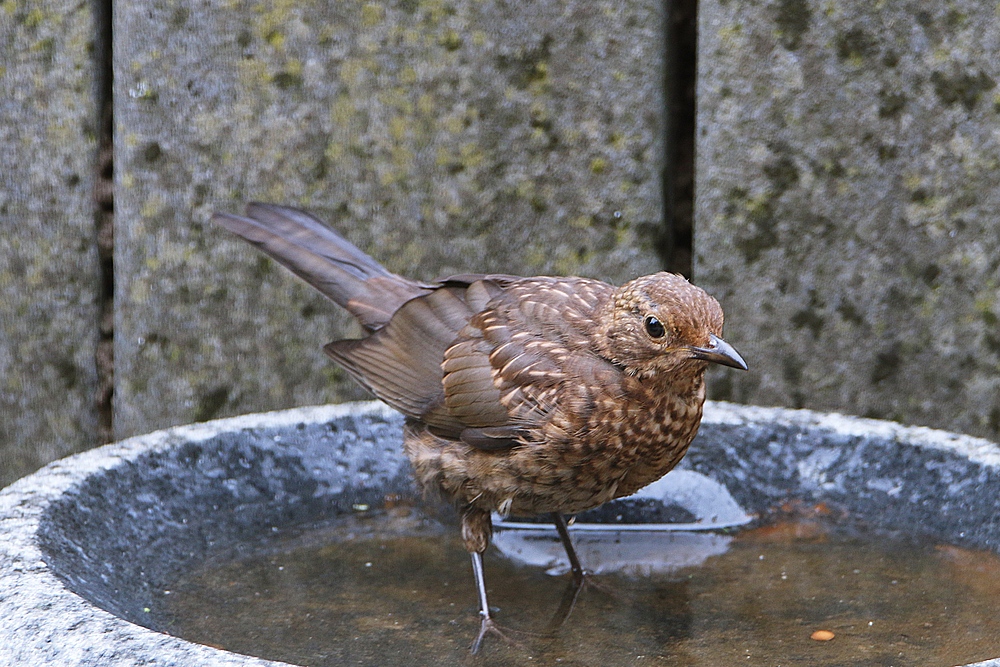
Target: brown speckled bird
x=522, y=395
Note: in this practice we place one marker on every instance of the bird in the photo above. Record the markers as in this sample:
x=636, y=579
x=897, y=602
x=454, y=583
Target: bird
x=522, y=395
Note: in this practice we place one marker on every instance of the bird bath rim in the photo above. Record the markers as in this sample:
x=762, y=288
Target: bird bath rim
x=43, y=622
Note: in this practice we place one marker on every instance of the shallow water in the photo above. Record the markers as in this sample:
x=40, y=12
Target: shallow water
x=395, y=588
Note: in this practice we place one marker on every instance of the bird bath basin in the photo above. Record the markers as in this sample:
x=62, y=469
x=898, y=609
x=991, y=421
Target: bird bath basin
x=97, y=549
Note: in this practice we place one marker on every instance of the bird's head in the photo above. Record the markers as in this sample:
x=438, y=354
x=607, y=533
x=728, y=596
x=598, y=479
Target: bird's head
x=662, y=323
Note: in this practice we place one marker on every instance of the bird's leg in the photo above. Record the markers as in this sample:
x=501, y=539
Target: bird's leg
x=581, y=577
x=572, y=591
x=486, y=623
x=477, y=572
x=574, y=562
x=477, y=529
x=566, y=606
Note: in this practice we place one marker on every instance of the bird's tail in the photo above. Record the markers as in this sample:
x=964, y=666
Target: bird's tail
x=325, y=260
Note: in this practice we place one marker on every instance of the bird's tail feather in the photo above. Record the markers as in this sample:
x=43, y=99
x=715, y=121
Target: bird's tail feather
x=325, y=260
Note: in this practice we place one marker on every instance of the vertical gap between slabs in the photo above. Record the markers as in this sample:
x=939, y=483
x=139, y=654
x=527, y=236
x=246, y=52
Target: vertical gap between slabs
x=680, y=71
x=104, y=220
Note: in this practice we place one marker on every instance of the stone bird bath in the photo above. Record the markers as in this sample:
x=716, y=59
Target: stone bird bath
x=88, y=543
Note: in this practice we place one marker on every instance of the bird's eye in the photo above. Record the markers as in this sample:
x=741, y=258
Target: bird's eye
x=653, y=327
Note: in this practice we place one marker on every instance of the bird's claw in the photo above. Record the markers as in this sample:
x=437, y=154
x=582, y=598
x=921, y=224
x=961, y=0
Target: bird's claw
x=587, y=579
x=489, y=627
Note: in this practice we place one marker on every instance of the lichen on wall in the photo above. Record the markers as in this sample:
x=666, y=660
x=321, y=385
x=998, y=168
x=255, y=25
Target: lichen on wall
x=848, y=186
x=442, y=137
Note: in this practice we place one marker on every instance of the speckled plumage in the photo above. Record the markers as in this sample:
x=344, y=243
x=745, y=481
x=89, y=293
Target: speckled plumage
x=522, y=395
x=597, y=416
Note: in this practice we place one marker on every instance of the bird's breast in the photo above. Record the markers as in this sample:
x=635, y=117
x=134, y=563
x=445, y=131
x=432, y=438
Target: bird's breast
x=640, y=437
x=573, y=462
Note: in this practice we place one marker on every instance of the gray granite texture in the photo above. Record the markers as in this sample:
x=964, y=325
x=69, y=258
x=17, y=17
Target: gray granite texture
x=848, y=189
x=440, y=137
x=88, y=544
x=48, y=262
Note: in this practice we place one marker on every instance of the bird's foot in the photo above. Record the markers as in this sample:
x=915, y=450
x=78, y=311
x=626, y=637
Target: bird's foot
x=486, y=627
x=581, y=579
x=587, y=579
x=489, y=627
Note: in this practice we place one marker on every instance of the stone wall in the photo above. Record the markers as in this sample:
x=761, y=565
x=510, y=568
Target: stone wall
x=441, y=137
x=848, y=190
x=847, y=183
x=49, y=278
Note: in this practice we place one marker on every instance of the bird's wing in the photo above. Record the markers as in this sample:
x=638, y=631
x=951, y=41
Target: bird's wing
x=485, y=359
x=520, y=362
x=401, y=362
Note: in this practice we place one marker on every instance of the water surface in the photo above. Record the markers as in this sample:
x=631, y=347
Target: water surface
x=395, y=588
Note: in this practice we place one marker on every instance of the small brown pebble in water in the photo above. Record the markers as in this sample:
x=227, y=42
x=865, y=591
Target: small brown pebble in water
x=822, y=635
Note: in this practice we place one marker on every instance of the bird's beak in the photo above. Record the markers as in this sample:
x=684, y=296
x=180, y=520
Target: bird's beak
x=720, y=352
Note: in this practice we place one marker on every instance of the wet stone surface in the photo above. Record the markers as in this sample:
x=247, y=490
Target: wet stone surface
x=169, y=508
